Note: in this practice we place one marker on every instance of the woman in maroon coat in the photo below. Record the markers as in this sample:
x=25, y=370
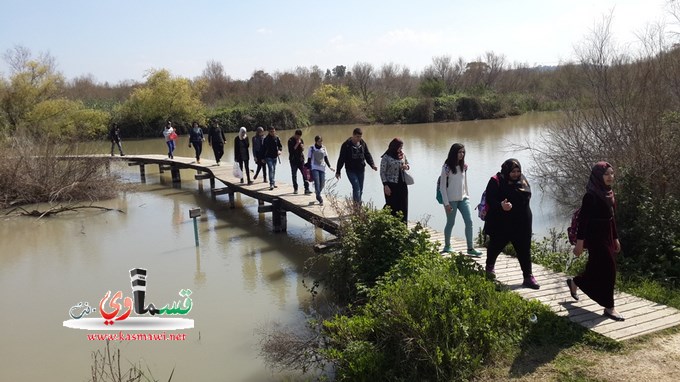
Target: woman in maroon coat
x=597, y=232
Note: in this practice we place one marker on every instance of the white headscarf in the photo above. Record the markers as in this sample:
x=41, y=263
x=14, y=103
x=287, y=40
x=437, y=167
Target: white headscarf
x=243, y=133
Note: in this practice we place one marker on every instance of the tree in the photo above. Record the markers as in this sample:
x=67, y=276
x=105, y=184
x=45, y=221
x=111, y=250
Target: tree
x=444, y=70
x=32, y=81
x=363, y=77
x=217, y=82
x=333, y=104
x=163, y=97
x=33, y=100
x=261, y=85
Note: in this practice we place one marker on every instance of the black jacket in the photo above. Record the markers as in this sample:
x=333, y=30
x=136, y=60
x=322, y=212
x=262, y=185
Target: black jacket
x=354, y=157
x=216, y=136
x=241, y=149
x=296, y=155
x=518, y=220
x=270, y=147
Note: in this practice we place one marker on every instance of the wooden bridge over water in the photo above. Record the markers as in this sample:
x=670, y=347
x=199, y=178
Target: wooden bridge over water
x=642, y=316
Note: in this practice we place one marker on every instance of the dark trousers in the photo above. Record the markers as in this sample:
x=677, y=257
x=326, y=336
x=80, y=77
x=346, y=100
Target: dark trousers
x=198, y=147
x=218, y=150
x=398, y=199
x=294, y=169
x=120, y=147
x=261, y=166
x=241, y=164
x=522, y=245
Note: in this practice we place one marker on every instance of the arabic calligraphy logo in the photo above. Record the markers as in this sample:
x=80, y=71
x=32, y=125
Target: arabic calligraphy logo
x=112, y=311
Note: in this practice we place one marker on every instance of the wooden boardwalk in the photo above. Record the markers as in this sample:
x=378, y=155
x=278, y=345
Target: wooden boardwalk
x=642, y=316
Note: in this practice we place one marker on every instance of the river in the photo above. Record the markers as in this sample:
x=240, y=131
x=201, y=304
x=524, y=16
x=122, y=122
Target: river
x=243, y=277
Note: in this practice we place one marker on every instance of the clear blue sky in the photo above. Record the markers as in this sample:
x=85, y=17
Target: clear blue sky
x=116, y=40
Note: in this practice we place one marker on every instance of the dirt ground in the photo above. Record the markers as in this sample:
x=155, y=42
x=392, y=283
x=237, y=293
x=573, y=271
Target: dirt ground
x=655, y=360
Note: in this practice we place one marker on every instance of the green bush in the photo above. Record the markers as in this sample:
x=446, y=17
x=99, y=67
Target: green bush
x=371, y=242
x=283, y=116
x=445, y=108
x=649, y=231
x=428, y=319
x=400, y=110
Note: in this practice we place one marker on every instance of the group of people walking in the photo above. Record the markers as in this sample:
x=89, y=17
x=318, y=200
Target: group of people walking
x=507, y=216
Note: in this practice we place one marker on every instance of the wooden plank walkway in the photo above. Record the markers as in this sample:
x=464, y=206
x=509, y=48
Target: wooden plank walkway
x=282, y=198
x=642, y=316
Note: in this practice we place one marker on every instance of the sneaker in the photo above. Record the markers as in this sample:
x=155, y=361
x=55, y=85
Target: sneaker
x=241, y=180
x=307, y=192
x=198, y=161
x=218, y=163
x=275, y=186
x=122, y=154
x=271, y=188
x=255, y=177
x=530, y=282
x=250, y=182
x=491, y=271
x=473, y=252
x=446, y=250
x=295, y=191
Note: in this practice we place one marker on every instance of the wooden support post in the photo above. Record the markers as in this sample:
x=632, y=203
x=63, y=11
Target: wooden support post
x=260, y=203
x=212, y=184
x=142, y=172
x=174, y=170
x=279, y=216
x=232, y=202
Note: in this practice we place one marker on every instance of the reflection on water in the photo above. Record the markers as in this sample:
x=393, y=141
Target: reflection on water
x=242, y=276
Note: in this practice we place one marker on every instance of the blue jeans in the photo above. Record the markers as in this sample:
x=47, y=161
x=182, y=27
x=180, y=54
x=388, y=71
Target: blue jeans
x=171, y=147
x=271, y=165
x=464, y=207
x=356, y=178
x=319, y=181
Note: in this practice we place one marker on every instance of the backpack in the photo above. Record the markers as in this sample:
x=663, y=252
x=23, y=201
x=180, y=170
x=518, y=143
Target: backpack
x=573, y=227
x=483, y=208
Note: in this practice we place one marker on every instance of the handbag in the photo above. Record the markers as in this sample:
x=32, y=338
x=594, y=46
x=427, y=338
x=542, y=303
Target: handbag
x=408, y=178
x=172, y=136
x=307, y=172
x=237, y=172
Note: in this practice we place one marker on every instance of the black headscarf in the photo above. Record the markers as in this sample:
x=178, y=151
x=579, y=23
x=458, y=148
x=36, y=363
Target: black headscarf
x=393, y=149
x=596, y=185
x=520, y=184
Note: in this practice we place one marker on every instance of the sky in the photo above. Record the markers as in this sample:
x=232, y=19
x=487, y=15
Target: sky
x=118, y=40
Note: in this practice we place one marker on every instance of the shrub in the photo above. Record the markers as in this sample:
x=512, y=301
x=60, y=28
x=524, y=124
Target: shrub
x=371, y=242
x=400, y=110
x=283, y=116
x=32, y=172
x=445, y=108
x=649, y=231
x=429, y=318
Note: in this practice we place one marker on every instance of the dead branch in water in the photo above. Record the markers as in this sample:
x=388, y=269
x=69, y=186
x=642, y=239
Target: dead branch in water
x=56, y=210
